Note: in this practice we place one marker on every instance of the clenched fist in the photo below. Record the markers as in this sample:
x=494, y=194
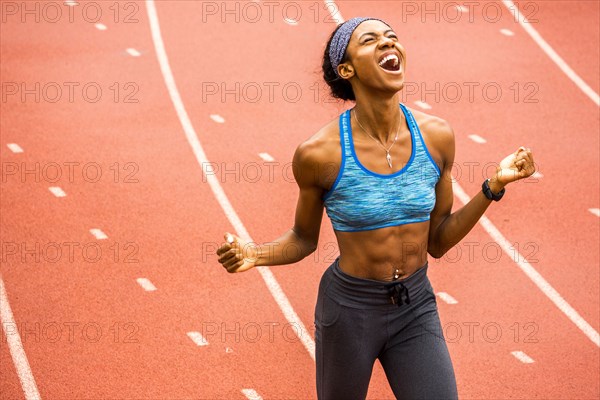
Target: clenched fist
x=237, y=255
x=517, y=165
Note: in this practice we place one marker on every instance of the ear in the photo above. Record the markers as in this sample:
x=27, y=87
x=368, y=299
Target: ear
x=346, y=70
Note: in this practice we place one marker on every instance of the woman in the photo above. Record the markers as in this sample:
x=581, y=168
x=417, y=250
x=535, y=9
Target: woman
x=389, y=199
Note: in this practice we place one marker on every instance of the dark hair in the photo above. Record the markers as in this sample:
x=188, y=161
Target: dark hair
x=340, y=88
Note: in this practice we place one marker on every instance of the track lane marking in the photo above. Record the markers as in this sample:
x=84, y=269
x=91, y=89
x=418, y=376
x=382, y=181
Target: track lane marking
x=15, y=148
x=423, y=105
x=146, y=284
x=217, y=118
x=477, y=139
x=15, y=346
x=507, y=32
x=266, y=157
x=447, y=298
x=58, y=192
x=98, y=234
x=198, y=338
x=531, y=272
x=190, y=133
x=251, y=394
x=521, y=356
x=331, y=7
x=595, y=211
x=525, y=24
x=133, y=52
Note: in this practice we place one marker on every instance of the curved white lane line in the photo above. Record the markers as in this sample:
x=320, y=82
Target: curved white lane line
x=532, y=273
x=334, y=11
x=190, y=133
x=585, y=88
x=13, y=338
x=526, y=267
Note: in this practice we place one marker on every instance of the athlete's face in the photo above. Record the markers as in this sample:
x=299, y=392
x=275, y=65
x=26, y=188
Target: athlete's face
x=375, y=56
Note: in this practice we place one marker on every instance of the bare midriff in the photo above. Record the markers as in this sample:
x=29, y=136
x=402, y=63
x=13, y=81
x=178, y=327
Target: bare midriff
x=377, y=254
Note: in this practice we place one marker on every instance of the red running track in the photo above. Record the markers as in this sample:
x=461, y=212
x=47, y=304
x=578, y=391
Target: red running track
x=89, y=330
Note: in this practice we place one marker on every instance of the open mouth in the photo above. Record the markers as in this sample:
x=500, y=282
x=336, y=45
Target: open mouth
x=390, y=62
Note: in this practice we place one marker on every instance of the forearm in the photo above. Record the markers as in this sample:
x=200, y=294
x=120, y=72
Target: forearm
x=288, y=249
x=458, y=224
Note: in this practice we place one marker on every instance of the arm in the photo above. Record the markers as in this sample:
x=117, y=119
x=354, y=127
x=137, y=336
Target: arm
x=446, y=229
x=295, y=244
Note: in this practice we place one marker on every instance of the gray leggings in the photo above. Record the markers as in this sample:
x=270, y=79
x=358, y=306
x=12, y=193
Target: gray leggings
x=360, y=320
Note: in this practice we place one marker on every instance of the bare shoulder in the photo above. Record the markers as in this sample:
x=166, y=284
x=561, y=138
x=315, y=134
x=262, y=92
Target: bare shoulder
x=438, y=135
x=436, y=128
x=318, y=158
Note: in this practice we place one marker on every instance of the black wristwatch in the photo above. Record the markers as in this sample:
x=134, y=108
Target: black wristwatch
x=488, y=192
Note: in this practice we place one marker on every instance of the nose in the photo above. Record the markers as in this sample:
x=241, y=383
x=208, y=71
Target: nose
x=386, y=42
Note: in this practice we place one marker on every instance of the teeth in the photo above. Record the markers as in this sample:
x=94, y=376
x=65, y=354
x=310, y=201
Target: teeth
x=389, y=57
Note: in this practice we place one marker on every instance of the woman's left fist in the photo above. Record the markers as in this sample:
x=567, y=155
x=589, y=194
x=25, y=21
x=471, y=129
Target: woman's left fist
x=517, y=165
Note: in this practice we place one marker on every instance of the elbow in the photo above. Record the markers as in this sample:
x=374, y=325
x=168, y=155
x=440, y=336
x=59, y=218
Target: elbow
x=436, y=251
x=310, y=248
x=307, y=247
x=308, y=243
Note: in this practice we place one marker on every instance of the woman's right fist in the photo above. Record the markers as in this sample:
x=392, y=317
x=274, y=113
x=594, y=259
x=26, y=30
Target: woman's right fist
x=237, y=255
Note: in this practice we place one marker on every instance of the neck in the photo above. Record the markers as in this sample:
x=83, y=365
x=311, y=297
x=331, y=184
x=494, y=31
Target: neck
x=380, y=116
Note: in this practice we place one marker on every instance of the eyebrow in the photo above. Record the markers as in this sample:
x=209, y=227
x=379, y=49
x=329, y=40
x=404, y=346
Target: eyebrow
x=375, y=34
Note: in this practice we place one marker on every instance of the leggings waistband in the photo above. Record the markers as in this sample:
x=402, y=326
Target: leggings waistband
x=354, y=291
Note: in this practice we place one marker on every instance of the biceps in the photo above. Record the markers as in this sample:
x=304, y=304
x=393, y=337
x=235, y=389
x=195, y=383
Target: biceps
x=309, y=213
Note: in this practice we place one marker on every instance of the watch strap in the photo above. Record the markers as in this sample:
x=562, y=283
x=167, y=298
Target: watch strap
x=485, y=187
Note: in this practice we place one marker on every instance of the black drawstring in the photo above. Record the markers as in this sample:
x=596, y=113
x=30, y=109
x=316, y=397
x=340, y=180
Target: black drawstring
x=395, y=290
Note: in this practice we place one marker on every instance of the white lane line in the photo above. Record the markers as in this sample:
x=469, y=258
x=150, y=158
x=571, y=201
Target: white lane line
x=525, y=24
x=423, y=105
x=15, y=148
x=98, y=234
x=332, y=7
x=447, y=298
x=15, y=346
x=100, y=27
x=290, y=21
x=507, y=32
x=272, y=284
x=524, y=358
x=266, y=156
x=595, y=211
x=58, y=192
x=531, y=272
x=251, y=394
x=133, y=52
x=217, y=118
x=146, y=284
x=198, y=338
x=477, y=139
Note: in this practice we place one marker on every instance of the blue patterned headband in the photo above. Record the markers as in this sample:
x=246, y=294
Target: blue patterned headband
x=340, y=40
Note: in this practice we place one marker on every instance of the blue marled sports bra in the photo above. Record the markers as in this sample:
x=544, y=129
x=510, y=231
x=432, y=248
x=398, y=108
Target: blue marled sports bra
x=361, y=200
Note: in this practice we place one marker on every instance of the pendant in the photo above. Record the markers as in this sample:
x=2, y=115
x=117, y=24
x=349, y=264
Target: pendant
x=389, y=159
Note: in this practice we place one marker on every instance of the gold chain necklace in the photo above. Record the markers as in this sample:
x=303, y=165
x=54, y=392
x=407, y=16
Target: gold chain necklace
x=388, y=157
